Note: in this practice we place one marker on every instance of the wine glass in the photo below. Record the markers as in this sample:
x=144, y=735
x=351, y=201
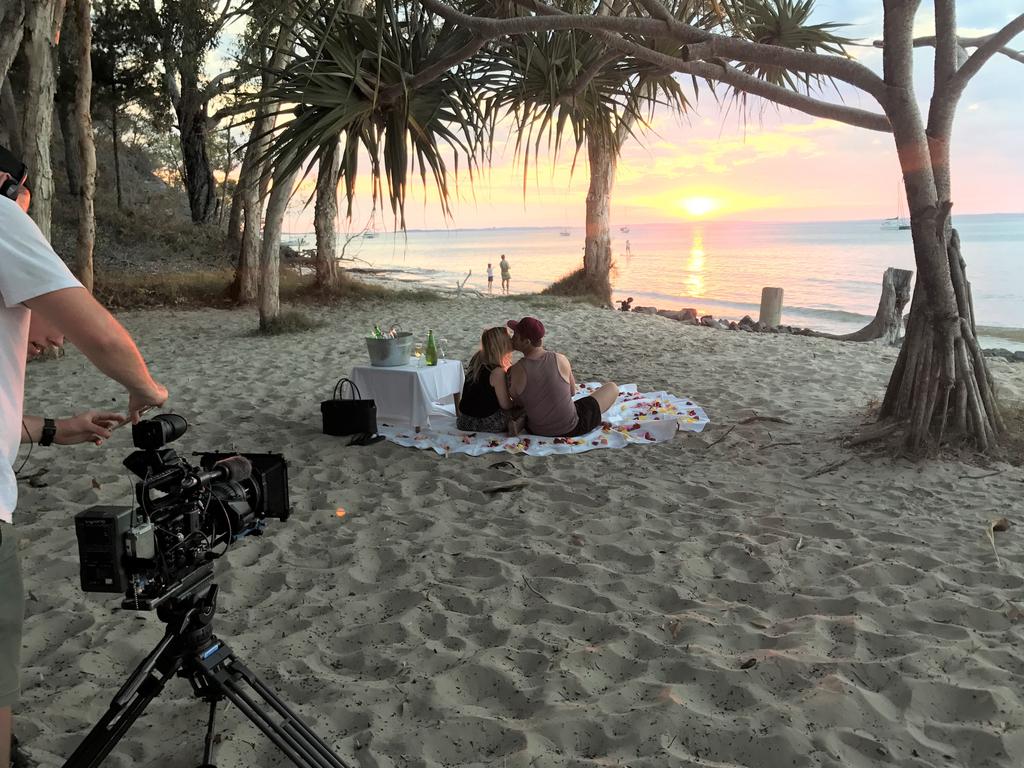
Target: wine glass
x=417, y=352
x=442, y=346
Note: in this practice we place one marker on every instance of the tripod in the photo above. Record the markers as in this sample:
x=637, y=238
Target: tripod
x=190, y=650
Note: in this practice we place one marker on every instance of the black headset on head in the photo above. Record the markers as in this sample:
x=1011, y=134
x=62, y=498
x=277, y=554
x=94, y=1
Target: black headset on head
x=18, y=172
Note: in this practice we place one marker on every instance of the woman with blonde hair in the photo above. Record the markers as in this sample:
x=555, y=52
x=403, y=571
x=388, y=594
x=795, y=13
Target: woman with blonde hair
x=485, y=397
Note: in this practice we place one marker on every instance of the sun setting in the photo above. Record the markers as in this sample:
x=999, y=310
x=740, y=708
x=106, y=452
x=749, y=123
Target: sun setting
x=698, y=207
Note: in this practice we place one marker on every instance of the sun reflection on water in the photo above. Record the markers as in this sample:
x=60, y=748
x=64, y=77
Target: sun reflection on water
x=695, y=280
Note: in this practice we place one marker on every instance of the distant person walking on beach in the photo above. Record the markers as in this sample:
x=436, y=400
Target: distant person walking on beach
x=490, y=278
x=506, y=273
x=543, y=384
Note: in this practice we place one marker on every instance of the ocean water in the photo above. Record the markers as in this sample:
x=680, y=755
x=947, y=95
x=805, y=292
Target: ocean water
x=831, y=272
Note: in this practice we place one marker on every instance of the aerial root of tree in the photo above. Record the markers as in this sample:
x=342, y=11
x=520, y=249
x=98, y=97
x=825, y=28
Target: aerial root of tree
x=941, y=386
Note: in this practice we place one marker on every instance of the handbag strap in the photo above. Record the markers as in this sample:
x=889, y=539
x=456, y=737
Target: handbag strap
x=339, y=389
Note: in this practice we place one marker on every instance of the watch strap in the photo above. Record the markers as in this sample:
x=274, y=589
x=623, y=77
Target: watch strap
x=49, y=432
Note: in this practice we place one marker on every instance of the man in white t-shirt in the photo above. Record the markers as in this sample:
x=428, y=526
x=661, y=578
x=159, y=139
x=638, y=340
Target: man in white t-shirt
x=41, y=303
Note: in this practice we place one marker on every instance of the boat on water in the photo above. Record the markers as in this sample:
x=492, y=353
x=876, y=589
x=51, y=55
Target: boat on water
x=624, y=229
x=899, y=221
x=565, y=233
x=896, y=222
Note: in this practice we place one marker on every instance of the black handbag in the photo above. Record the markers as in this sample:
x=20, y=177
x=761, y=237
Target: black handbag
x=348, y=416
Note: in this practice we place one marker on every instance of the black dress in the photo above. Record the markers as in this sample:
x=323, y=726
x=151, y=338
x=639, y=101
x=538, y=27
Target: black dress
x=479, y=410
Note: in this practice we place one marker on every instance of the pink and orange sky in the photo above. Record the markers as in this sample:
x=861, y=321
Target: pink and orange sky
x=776, y=165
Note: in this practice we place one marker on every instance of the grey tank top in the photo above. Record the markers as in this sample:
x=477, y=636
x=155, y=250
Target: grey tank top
x=547, y=398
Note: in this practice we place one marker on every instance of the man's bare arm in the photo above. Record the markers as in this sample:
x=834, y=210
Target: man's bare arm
x=102, y=339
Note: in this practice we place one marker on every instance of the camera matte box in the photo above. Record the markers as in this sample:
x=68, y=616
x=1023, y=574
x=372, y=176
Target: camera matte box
x=101, y=532
x=270, y=473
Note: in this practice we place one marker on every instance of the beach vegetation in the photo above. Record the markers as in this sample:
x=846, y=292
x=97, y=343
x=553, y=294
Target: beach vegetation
x=288, y=321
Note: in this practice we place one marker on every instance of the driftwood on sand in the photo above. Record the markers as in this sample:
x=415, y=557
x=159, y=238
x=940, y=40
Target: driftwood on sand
x=888, y=321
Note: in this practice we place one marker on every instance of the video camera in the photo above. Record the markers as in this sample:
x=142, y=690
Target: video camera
x=18, y=172
x=185, y=517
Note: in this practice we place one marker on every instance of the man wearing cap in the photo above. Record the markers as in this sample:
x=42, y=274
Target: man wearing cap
x=543, y=385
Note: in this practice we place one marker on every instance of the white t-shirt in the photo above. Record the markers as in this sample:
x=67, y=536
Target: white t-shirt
x=490, y=272
x=29, y=267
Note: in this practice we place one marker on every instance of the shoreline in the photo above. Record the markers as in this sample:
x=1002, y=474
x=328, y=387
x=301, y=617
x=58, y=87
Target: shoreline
x=994, y=339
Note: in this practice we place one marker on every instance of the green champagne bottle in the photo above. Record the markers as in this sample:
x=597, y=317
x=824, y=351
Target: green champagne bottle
x=377, y=333
x=431, y=351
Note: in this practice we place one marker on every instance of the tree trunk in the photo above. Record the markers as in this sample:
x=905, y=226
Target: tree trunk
x=67, y=88
x=10, y=125
x=12, y=21
x=253, y=181
x=597, y=254
x=325, y=219
x=235, y=218
x=888, y=320
x=192, y=116
x=270, y=252
x=115, y=135
x=72, y=154
x=87, y=146
x=37, y=126
x=941, y=382
x=246, y=285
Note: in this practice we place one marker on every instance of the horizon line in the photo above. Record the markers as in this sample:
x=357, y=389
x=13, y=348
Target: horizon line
x=651, y=224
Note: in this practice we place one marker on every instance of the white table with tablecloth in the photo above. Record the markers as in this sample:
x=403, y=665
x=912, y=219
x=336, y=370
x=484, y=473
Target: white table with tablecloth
x=407, y=394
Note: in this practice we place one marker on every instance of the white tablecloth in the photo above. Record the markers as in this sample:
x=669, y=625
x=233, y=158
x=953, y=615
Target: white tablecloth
x=405, y=394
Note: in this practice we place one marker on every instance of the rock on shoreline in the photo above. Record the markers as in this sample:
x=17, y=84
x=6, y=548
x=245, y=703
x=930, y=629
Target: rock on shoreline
x=690, y=316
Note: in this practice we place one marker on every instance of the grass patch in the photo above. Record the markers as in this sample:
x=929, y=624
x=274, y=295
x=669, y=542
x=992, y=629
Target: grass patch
x=210, y=288
x=167, y=289
x=579, y=286
x=289, y=321
x=351, y=288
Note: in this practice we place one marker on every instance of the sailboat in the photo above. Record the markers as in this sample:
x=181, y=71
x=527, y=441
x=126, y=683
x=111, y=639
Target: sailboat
x=899, y=221
x=565, y=233
x=624, y=229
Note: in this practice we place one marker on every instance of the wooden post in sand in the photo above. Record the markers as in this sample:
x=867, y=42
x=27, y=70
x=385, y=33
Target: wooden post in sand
x=771, y=307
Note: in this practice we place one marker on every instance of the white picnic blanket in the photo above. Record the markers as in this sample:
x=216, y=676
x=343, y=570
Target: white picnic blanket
x=635, y=418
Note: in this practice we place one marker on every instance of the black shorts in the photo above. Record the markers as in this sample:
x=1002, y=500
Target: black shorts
x=589, y=412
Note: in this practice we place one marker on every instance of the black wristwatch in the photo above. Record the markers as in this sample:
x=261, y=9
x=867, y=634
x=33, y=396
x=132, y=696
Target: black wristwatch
x=49, y=432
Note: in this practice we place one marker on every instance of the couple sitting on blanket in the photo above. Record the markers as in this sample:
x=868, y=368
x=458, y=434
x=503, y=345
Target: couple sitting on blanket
x=534, y=395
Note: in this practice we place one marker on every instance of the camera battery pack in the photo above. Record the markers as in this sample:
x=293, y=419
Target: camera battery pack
x=102, y=535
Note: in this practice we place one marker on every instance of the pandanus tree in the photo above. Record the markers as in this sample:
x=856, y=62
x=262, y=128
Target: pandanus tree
x=393, y=85
x=555, y=82
x=564, y=84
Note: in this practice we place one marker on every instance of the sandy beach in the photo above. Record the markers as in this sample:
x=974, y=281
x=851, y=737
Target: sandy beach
x=695, y=603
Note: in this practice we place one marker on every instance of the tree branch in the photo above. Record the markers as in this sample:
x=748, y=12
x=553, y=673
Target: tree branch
x=963, y=43
x=986, y=51
x=586, y=77
x=704, y=44
x=722, y=72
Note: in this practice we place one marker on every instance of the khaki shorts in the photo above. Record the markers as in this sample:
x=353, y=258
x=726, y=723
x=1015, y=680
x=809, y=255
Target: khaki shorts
x=12, y=612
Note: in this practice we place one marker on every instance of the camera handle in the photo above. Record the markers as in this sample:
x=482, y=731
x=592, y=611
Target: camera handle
x=189, y=649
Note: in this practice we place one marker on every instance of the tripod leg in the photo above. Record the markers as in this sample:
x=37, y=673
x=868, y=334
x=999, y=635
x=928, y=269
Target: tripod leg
x=208, y=743
x=131, y=701
x=292, y=736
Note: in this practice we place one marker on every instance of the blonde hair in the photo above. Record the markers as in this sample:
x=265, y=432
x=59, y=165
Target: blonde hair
x=495, y=349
